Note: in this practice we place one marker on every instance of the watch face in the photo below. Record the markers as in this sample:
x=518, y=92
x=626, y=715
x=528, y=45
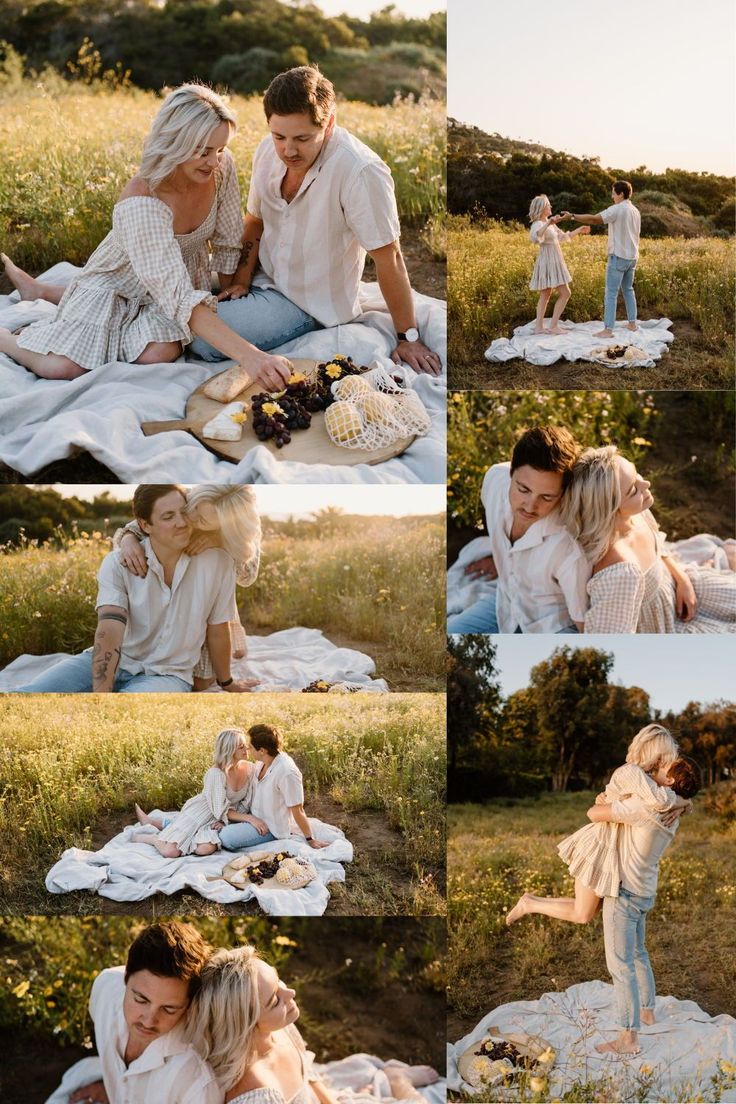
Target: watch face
x=412, y=335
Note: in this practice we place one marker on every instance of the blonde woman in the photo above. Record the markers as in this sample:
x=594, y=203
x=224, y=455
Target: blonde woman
x=225, y=516
x=243, y=1024
x=636, y=585
x=194, y=830
x=145, y=291
x=550, y=271
x=654, y=774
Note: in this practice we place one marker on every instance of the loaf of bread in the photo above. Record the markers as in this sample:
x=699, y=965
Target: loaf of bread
x=225, y=386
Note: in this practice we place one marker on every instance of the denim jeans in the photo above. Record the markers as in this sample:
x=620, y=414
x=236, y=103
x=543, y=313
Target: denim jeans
x=624, y=936
x=74, y=676
x=237, y=837
x=619, y=277
x=478, y=618
x=264, y=317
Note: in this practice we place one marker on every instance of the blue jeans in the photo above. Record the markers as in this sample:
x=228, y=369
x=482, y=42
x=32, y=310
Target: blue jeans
x=74, y=676
x=237, y=837
x=624, y=937
x=264, y=317
x=619, y=277
x=478, y=618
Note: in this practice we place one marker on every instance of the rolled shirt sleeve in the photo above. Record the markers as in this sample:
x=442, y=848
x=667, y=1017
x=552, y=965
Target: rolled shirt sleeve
x=226, y=242
x=629, y=811
x=573, y=577
x=291, y=787
x=253, y=204
x=111, y=583
x=610, y=214
x=370, y=206
x=224, y=608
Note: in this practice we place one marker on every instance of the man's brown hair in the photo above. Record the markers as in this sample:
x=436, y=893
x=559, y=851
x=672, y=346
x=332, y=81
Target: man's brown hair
x=546, y=448
x=622, y=187
x=172, y=949
x=147, y=495
x=265, y=737
x=301, y=91
x=685, y=775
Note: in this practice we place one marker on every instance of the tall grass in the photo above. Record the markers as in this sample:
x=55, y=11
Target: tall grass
x=490, y=265
x=66, y=152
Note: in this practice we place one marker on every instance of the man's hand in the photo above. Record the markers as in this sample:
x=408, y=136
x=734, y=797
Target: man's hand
x=260, y=825
x=132, y=556
x=686, y=603
x=90, y=1094
x=235, y=291
x=482, y=569
x=316, y=844
x=242, y=686
x=669, y=818
x=418, y=356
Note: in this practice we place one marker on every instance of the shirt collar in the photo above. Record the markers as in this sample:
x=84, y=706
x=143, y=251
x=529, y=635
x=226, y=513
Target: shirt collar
x=156, y=566
x=537, y=532
x=157, y=1052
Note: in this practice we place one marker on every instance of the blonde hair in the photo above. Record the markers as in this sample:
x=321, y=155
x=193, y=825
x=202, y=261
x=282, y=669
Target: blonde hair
x=226, y=744
x=226, y=1012
x=536, y=207
x=237, y=518
x=653, y=746
x=592, y=500
x=180, y=130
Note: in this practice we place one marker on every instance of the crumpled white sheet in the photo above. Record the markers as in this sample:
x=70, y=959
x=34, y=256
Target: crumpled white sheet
x=101, y=412
x=125, y=871
x=346, y=1075
x=683, y=1047
x=286, y=660
x=704, y=549
x=578, y=341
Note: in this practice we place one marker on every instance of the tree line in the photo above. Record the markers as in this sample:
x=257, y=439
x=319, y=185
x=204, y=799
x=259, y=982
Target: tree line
x=240, y=44
x=567, y=730
x=490, y=176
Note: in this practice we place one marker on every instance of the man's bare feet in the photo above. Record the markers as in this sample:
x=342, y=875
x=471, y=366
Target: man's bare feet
x=604, y=333
x=21, y=281
x=520, y=909
x=144, y=818
x=647, y=1016
x=632, y=326
x=626, y=1043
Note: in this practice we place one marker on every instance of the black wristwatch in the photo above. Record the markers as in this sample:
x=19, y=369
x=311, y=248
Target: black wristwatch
x=227, y=682
x=412, y=334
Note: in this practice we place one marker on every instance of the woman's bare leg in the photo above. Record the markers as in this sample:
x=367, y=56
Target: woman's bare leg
x=159, y=352
x=542, y=310
x=45, y=365
x=579, y=909
x=166, y=850
x=144, y=818
x=205, y=849
x=27, y=286
x=563, y=298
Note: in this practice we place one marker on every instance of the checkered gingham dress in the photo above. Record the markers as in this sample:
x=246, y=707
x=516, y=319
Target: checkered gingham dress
x=143, y=281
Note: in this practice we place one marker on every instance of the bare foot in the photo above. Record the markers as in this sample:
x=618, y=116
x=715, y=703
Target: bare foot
x=555, y=330
x=144, y=818
x=537, y=330
x=604, y=333
x=239, y=653
x=632, y=326
x=626, y=1043
x=520, y=909
x=647, y=1016
x=421, y=1075
x=21, y=281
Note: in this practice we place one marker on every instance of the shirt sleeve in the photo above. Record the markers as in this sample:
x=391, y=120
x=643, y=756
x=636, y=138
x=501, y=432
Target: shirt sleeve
x=629, y=811
x=610, y=214
x=632, y=780
x=224, y=607
x=370, y=206
x=201, y=1092
x=226, y=242
x=145, y=228
x=291, y=788
x=215, y=792
x=111, y=583
x=253, y=206
x=616, y=594
x=573, y=577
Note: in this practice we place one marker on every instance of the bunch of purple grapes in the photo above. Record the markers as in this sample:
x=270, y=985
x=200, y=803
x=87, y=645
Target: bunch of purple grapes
x=267, y=426
x=325, y=381
x=266, y=868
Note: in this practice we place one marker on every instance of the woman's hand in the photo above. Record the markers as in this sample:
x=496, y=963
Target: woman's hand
x=218, y=824
x=132, y=556
x=260, y=825
x=601, y=799
x=686, y=603
x=235, y=291
x=200, y=542
x=271, y=371
x=583, y=229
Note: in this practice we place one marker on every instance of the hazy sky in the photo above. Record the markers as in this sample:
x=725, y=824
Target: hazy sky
x=672, y=669
x=634, y=83
x=280, y=501
x=419, y=9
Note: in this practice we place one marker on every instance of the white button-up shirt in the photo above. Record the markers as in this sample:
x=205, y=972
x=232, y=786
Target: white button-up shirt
x=169, y=1071
x=313, y=249
x=624, y=227
x=280, y=788
x=166, y=625
x=641, y=841
x=543, y=575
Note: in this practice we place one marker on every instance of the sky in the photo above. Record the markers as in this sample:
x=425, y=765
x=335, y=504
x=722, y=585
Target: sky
x=634, y=83
x=283, y=500
x=361, y=9
x=672, y=669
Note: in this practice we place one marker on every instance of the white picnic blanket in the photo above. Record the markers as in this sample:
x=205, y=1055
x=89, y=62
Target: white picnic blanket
x=578, y=341
x=683, y=1048
x=286, y=660
x=126, y=871
x=101, y=412
x=346, y=1075
x=704, y=549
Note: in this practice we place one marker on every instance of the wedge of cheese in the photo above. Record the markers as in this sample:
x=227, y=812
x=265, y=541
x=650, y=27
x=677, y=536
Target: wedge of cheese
x=227, y=425
x=227, y=384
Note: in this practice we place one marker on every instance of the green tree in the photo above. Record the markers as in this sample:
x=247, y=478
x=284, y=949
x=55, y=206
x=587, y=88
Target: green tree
x=473, y=704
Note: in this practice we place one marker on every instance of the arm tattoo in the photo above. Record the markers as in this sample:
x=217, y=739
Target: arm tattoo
x=122, y=617
x=101, y=662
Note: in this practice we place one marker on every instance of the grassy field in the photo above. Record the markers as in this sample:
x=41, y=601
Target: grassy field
x=499, y=850
x=689, y=281
x=377, y=586
x=72, y=768
x=366, y=985
x=67, y=152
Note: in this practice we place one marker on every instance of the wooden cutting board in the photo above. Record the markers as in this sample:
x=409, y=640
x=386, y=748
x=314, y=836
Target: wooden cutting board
x=307, y=446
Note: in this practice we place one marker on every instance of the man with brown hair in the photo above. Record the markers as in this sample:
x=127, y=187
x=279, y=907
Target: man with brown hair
x=541, y=573
x=319, y=200
x=139, y=1013
x=151, y=629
